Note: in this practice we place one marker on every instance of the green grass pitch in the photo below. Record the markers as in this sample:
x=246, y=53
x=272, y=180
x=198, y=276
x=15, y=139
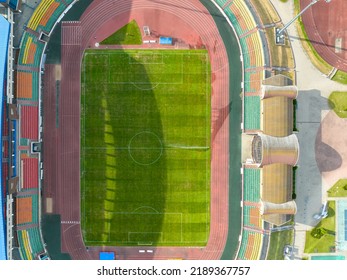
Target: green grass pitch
x=145, y=147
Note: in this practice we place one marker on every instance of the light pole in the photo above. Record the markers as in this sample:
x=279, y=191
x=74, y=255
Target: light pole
x=279, y=36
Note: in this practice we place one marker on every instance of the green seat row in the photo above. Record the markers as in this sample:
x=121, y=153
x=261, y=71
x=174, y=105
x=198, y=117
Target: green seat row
x=243, y=247
x=252, y=112
x=35, y=241
x=50, y=23
x=246, y=214
x=221, y=3
x=234, y=21
x=251, y=184
x=35, y=87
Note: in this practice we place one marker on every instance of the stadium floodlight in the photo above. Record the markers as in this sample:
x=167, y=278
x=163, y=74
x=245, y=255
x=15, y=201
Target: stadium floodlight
x=279, y=32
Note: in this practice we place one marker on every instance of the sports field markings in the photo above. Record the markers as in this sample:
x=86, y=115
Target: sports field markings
x=137, y=137
x=146, y=207
x=168, y=146
x=145, y=242
x=146, y=59
x=208, y=129
x=150, y=88
x=165, y=147
x=136, y=83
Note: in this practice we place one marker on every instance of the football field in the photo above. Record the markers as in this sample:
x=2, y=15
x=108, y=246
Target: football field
x=145, y=147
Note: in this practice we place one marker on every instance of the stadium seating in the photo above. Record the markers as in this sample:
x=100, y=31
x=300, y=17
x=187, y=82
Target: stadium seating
x=4, y=149
x=251, y=244
x=24, y=245
x=243, y=247
x=234, y=21
x=28, y=87
x=30, y=167
x=222, y=2
x=5, y=173
x=35, y=240
x=243, y=16
x=24, y=84
x=253, y=62
x=46, y=14
x=253, y=43
x=253, y=58
x=251, y=191
x=30, y=243
x=255, y=219
x=23, y=142
x=252, y=113
x=30, y=51
x=24, y=210
x=27, y=209
x=249, y=247
x=29, y=122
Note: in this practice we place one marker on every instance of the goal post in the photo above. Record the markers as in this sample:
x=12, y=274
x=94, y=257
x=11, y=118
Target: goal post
x=146, y=30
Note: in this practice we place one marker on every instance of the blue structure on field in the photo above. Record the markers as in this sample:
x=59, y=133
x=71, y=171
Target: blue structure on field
x=106, y=256
x=4, y=38
x=165, y=40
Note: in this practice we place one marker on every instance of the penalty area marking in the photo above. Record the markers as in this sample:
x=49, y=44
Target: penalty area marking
x=178, y=218
x=150, y=88
x=162, y=62
x=148, y=58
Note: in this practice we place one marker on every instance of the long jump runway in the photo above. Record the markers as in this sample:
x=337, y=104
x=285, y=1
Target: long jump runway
x=197, y=25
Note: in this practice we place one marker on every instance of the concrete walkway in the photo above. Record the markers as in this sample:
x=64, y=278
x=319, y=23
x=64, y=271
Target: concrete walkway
x=314, y=89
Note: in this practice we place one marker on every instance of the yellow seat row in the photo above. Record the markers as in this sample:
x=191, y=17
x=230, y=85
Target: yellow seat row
x=26, y=50
x=258, y=49
x=39, y=13
x=26, y=242
x=246, y=15
x=256, y=250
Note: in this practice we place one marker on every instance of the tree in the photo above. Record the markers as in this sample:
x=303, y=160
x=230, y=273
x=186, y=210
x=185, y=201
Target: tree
x=318, y=232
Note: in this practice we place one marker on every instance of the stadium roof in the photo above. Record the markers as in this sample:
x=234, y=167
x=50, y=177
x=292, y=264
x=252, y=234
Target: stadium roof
x=106, y=256
x=277, y=120
x=277, y=188
x=4, y=37
x=277, y=116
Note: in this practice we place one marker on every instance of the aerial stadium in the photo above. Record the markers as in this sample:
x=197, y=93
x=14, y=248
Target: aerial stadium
x=165, y=141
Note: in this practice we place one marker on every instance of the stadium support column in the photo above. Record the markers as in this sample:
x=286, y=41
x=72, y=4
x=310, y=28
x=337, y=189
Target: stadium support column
x=9, y=225
x=287, y=208
x=10, y=58
x=268, y=149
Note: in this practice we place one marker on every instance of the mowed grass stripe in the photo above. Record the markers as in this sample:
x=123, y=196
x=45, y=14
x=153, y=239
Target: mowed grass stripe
x=145, y=141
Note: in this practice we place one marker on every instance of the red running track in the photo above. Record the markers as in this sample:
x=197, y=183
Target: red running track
x=324, y=23
x=193, y=25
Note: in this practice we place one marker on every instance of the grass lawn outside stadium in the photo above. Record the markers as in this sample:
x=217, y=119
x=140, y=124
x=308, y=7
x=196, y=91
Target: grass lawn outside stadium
x=145, y=147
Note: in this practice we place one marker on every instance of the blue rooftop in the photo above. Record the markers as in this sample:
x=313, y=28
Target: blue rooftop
x=106, y=256
x=165, y=40
x=4, y=37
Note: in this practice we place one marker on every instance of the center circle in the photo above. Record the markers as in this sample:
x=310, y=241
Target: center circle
x=145, y=148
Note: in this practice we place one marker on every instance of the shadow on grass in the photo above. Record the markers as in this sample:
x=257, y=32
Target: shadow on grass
x=129, y=34
x=124, y=174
